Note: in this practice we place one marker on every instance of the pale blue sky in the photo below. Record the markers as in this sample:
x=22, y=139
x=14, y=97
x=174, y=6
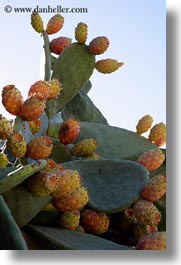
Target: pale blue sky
x=137, y=33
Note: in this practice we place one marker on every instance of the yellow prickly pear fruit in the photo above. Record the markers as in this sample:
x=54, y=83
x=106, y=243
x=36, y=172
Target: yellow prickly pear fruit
x=108, y=66
x=144, y=124
x=81, y=32
x=37, y=22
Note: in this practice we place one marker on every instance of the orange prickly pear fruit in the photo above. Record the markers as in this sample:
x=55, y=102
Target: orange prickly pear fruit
x=144, y=124
x=40, y=89
x=39, y=148
x=59, y=44
x=37, y=22
x=98, y=45
x=152, y=241
x=69, y=130
x=32, y=108
x=54, y=89
x=55, y=23
x=158, y=134
x=12, y=99
x=34, y=125
x=108, y=66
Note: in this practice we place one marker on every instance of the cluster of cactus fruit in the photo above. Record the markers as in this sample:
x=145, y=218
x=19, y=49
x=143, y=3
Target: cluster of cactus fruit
x=80, y=178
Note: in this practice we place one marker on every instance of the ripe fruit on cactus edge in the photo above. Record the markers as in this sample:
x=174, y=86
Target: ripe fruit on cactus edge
x=152, y=241
x=16, y=145
x=158, y=134
x=108, y=66
x=98, y=45
x=69, y=130
x=85, y=147
x=54, y=88
x=55, y=23
x=144, y=124
x=59, y=44
x=3, y=160
x=34, y=125
x=72, y=201
x=68, y=181
x=37, y=22
x=32, y=108
x=154, y=189
x=151, y=159
x=95, y=222
x=39, y=148
x=40, y=89
x=69, y=220
x=6, y=128
x=146, y=212
x=12, y=99
x=42, y=183
x=81, y=33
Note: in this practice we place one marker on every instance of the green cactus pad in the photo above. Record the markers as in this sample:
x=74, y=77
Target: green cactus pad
x=11, y=237
x=22, y=127
x=57, y=238
x=114, y=142
x=73, y=69
x=82, y=108
x=15, y=178
x=60, y=152
x=113, y=185
x=23, y=205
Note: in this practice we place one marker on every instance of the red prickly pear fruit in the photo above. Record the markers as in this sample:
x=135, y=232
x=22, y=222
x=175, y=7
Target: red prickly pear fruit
x=55, y=23
x=39, y=148
x=37, y=22
x=54, y=89
x=3, y=160
x=6, y=128
x=69, y=220
x=32, y=108
x=59, y=44
x=81, y=33
x=95, y=222
x=98, y=45
x=154, y=189
x=69, y=131
x=42, y=183
x=146, y=212
x=16, y=145
x=40, y=89
x=85, y=147
x=144, y=124
x=151, y=159
x=158, y=134
x=152, y=241
x=68, y=182
x=34, y=125
x=108, y=66
x=72, y=201
x=12, y=99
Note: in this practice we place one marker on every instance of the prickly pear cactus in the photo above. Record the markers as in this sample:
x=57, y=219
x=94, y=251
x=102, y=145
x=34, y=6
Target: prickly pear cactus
x=83, y=164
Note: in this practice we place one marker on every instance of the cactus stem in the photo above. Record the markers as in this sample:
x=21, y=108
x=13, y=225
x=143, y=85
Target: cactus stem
x=47, y=52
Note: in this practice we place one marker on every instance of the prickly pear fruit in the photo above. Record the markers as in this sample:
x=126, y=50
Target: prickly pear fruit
x=34, y=125
x=59, y=44
x=39, y=148
x=85, y=147
x=6, y=128
x=12, y=99
x=3, y=160
x=55, y=23
x=54, y=88
x=32, y=108
x=158, y=134
x=16, y=145
x=108, y=66
x=146, y=212
x=42, y=183
x=68, y=182
x=72, y=201
x=144, y=124
x=154, y=189
x=52, y=166
x=98, y=45
x=152, y=241
x=69, y=220
x=93, y=156
x=37, y=22
x=69, y=130
x=81, y=33
x=151, y=159
x=140, y=230
x=95, y=222
x=40, y=89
